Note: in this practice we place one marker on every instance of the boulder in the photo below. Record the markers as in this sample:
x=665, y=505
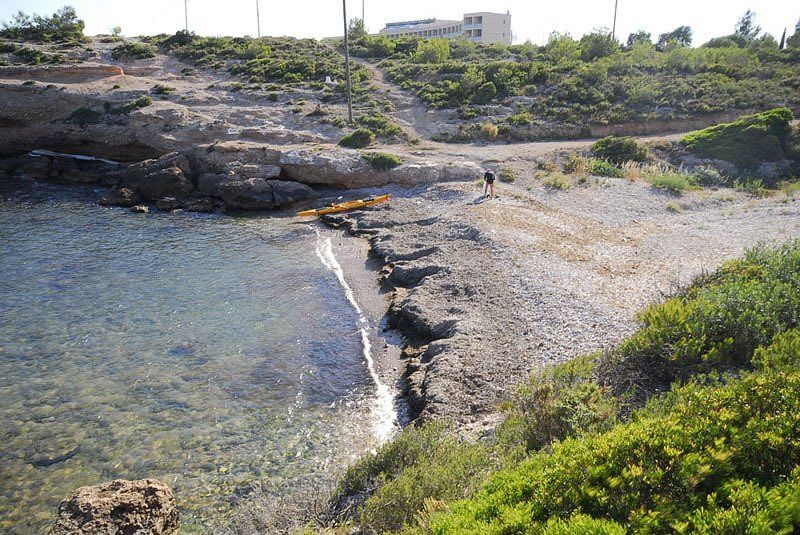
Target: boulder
x=167, y=176
x=253, y=193
x=208, y=183
x=140, y=209
x=248, y=194
x=125, y=197
x=170, y=182
x=202, y=204
x=143, y=506
x=347, y=168
x=169, y=203
x=288, y=192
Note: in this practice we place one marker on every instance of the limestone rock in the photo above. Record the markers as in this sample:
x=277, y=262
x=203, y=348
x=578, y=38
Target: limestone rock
x=124, y=197
x=169, y=203
x=347, y=168
x=208, y=183
x=170, y=182
x=202, y=204
x=253, y=193
x=249, y=194
x=288, y=192
x=167, y=176
x=143, y=506
x=140, y=209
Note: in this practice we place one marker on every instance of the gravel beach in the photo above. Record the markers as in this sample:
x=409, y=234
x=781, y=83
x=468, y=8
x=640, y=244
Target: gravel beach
x=485, y=292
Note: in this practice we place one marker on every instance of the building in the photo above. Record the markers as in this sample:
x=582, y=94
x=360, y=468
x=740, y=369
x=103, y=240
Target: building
x=482, y=27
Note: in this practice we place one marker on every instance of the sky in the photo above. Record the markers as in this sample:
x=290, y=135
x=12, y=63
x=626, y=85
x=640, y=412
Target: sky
x=530, y=19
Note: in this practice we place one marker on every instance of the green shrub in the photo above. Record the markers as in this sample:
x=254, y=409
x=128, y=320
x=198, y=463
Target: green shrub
x=160, y=89
x=63, y=25
x=485, y=93
x=432, y=51
x=557, y=181
x=619, y=150
x=522, y=118
x=604, y=168
x=746, y=142
x=716, y=325
x=358, y=139
x=421, y=464
x=133, y=51
x=674, y=207
x=557, y=403
x=671, y=181
x=380, y=124
x=133, y=105
x=722, y=458
x=382, y=161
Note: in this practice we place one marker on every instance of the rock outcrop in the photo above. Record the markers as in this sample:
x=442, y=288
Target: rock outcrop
x=167, y=176
x=143, y=506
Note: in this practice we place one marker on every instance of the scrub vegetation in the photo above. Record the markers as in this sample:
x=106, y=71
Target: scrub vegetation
x=689, y=425
x=595, y=80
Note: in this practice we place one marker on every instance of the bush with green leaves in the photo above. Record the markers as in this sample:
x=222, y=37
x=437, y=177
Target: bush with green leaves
x=746, y=142
x=133, y=50
x=712, y=460
x=283, y=60
x=421, y=464
x=432, y=51
x=594, y=81
x=380, y=124
x=358, y=139
x=382, y=161
x=619, y=150
x=672, y=181
x=689, y=426
x=603, y=168
x=64, y=25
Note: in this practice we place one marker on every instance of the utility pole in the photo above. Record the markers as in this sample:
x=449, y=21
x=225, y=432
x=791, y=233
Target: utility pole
x=258, y=20
x=347, y=67
x=186, y=13
x=363, y=2
x=614, y=29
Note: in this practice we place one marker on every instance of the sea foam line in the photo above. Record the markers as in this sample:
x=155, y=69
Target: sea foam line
x=383, y=412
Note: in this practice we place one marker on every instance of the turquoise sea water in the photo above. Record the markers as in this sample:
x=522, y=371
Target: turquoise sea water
x=207, y=351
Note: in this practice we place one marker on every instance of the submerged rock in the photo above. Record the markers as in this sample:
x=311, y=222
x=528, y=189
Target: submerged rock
x=124, y=197
x=143, y=506
x=140, y=209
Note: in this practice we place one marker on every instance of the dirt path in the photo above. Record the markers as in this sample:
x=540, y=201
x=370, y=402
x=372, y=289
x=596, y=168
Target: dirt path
x=409, y=112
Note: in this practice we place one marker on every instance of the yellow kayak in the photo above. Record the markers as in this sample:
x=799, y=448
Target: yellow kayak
x=345, y=206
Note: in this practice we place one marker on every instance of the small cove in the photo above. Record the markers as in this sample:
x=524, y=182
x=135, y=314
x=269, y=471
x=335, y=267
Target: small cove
x=210, y=352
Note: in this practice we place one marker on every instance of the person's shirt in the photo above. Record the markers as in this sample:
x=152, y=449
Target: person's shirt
x=488, y=176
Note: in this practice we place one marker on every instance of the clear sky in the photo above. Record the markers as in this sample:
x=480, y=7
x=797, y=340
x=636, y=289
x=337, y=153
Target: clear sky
x=531, y=19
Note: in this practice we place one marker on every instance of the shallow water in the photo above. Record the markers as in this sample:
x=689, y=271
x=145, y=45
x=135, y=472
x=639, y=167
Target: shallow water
x=207, y=351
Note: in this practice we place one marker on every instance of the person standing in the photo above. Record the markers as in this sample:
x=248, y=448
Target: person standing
x=488, y=184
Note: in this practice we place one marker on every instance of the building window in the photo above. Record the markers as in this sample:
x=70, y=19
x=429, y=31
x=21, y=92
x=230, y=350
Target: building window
x=477, y=33
x=478, y=20
x=467, y=20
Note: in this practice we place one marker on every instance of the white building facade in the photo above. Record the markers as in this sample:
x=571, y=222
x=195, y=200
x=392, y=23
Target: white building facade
x=482, y=27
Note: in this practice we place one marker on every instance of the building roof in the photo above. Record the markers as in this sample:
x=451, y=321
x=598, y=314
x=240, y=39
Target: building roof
x=420, y=24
